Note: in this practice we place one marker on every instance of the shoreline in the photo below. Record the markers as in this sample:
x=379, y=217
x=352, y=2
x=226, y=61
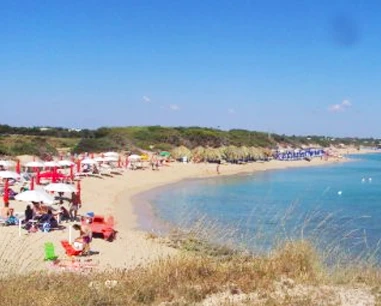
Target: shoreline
x=145, y=216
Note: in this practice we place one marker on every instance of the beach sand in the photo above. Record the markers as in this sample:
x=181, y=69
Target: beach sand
x=113, y=196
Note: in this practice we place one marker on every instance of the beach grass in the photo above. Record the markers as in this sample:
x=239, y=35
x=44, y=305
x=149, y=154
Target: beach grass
x=203, y=274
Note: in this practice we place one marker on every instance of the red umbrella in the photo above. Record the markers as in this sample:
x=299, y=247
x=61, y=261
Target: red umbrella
x=18, y=168
x=79, y=192
x=6, y=192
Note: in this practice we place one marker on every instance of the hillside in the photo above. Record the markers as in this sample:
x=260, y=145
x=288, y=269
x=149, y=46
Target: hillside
x=40, y=141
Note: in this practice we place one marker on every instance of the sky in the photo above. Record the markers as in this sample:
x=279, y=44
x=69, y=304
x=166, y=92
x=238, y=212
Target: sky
x=288, y=67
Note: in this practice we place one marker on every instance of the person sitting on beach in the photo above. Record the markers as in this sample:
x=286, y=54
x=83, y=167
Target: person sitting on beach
x=48, y=221
x=85, y=236
x=64, y=214
x=11, y=220
x=5, y=211
x=29, y=213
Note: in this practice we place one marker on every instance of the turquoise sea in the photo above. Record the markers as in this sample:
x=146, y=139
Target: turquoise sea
x=337, y=206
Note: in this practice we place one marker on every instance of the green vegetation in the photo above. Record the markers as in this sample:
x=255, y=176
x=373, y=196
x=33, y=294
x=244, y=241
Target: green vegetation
x=164, y=138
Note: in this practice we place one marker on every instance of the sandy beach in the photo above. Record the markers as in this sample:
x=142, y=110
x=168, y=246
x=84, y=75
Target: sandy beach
x=113, y=196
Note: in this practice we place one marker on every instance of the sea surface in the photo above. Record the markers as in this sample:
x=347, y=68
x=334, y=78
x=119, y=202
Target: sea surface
x=336, y=206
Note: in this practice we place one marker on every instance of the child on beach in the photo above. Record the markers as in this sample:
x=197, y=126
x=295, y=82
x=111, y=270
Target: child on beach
x=85, y=236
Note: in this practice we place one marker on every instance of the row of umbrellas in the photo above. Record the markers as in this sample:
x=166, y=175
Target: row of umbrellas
x=41, y=195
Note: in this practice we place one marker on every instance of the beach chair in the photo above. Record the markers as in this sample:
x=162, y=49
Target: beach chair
x=69, y=250
x=50, y=254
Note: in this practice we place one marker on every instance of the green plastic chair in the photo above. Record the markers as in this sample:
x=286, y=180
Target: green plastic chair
x=49, y=252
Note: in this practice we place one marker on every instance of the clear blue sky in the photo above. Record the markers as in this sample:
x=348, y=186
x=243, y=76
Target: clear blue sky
x=293, y=67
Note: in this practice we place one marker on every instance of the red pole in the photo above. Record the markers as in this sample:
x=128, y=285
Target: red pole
x=71, y=173
x=18, y=168
x=78, y=165
x=38, y=177
x=126, y=162
x=32, y=183
x=6, y=192
x=79, y=191
x=54, y=176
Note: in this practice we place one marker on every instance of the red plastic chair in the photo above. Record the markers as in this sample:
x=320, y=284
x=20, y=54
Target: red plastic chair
x=69, y=250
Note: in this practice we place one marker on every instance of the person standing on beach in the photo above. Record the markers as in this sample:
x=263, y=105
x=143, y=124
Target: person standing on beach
x=74, y=206
x=218, y=166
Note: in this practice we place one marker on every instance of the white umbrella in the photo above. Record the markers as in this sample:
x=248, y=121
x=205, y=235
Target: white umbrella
x=108, y=154
x=60, y=187
x=34, y=164
x=111, y=159
x=51, y=164
x=88, y=161
x=99, y=159
x=134, y=157
x=9, y=175
x=65, y=163
x=35, y=196
x=6, y=163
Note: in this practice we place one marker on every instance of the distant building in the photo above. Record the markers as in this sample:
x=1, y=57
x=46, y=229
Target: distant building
x=74, y=130
x=42, y=129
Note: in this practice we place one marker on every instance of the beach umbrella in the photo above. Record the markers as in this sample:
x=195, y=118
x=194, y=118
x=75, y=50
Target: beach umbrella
x=60, y=187
x=9, y=175
x=212, y=154
x=133, y=157
x=198, y=153
x=88, y=161
x=111, y=159
x=51, y=164
x=244, y=152
x=165, y=154
x=99, y=159
x=180, y=152
x=6, y=193
x=65, y=163
x=35, y=196
x=6, y=163
x=34, y=164
x=231, y=153
x=113, y=154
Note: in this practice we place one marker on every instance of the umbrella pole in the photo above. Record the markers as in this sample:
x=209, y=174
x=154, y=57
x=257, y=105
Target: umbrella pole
x=70, y=234
x=20, y=227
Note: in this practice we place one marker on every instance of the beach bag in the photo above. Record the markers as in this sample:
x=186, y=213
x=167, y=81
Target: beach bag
x=46, y=227
x=78, y=246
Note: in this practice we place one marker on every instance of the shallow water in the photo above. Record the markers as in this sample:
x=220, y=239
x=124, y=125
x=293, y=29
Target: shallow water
x=337, y=206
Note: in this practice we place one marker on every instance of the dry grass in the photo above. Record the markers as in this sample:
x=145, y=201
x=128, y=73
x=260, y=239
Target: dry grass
x=188, y=280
